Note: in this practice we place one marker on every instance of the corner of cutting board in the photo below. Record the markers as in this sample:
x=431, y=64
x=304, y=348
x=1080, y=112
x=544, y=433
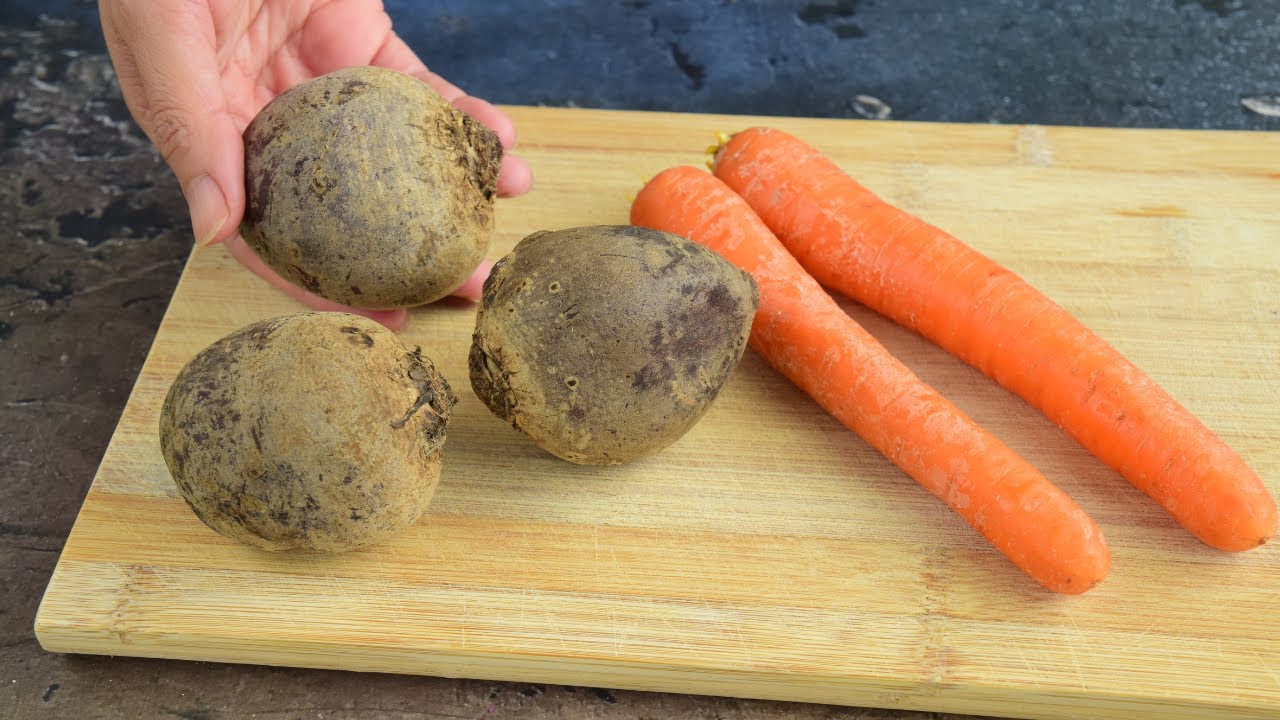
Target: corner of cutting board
x=53, y=627
x=51, y=633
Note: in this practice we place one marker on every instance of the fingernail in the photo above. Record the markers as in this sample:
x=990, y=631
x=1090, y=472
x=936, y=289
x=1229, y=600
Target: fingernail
x=208, y=208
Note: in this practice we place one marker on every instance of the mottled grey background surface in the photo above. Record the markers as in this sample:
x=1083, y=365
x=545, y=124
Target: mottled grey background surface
x=93, y=233
x=1167, y=63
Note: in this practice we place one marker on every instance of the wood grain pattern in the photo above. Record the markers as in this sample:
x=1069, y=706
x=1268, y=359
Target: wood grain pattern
x=770, y=553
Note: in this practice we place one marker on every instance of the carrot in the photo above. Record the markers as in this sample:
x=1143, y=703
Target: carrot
x=930, y=282
x=801, y=331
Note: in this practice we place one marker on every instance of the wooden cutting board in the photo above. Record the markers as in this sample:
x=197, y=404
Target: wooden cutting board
x=771, y=553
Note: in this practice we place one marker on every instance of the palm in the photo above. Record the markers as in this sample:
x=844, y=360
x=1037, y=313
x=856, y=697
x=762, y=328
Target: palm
x=196, y=72
x=265, y=47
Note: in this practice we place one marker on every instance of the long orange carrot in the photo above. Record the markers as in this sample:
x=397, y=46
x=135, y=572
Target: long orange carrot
x=807, y=337
x=929, y=281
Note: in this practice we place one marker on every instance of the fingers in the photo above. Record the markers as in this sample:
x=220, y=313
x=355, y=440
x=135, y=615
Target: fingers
x=165, y=57
x=489, y=116
x=340, y=33
x=473, y=288
x=397, y=55
x=515, y=178
x=392, y=319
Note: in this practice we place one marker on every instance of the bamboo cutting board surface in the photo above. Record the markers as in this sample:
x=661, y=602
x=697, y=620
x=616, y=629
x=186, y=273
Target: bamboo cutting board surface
x=771, y=553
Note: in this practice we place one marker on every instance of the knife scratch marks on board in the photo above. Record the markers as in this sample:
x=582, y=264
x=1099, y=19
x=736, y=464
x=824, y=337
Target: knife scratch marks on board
x=1033, y=146
x=677, y=634
x=595, y=555
x=1072, y=638
x=615, y=626
x=395, y=599
x=546, y=625
x=464, y=618
x=1268, y=669
x=1232, y=694
x=1102, y=291
x=1022, y=655
x=555, y=630
x=724, y=621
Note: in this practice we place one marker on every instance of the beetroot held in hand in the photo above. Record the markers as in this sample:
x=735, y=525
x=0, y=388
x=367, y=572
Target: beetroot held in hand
x=366, y=187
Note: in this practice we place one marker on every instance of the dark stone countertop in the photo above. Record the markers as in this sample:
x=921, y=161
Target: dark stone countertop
x=93, y=234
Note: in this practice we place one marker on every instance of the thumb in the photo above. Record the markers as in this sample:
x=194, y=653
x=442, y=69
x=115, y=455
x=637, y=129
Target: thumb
x=209, y=166
x=165, y=57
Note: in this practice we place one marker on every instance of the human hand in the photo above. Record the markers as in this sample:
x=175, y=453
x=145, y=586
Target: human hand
x=194, y=73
